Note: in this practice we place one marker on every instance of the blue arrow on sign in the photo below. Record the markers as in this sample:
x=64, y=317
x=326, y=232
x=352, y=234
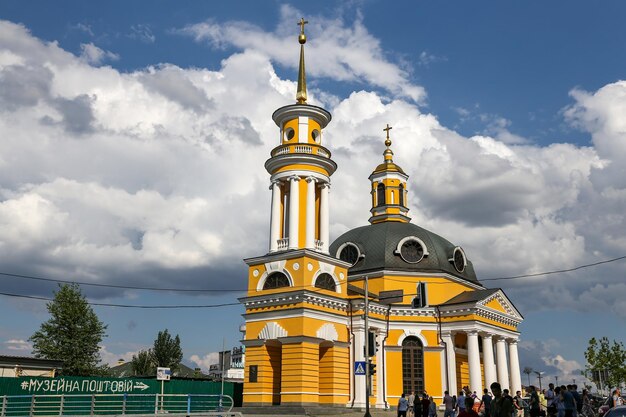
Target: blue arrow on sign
x=359, y=368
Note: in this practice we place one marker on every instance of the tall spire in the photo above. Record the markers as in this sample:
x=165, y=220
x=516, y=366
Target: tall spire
x=301, y=94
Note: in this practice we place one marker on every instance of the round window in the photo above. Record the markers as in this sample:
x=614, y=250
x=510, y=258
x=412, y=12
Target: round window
x=349, y=253
x=315, y=135
x=289, y=134
x=412, y=251
x=458, y=258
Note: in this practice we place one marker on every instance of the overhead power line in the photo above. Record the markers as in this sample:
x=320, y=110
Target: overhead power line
x=559, y=271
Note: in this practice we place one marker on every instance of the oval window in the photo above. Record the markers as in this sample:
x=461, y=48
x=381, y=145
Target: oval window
x=289, y=134
x=315, y=135
x=412, y=251
x=458, y=258
x=350, y=253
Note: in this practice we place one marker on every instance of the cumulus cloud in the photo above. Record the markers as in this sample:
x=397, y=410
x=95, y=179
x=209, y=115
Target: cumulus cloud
x=541, y=357
x=144, y=175
x=205, y=361
x=94, y=55
x=348, y=52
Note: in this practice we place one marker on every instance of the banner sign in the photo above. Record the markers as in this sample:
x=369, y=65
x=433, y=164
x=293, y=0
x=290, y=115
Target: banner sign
x=81, y=386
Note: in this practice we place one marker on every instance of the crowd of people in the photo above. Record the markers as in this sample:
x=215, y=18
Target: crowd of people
x=560, y=401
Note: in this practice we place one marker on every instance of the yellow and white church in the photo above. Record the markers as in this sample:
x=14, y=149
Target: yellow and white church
x=435, y=327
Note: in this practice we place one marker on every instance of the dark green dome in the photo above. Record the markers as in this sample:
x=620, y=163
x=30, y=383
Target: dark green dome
x=398, y=246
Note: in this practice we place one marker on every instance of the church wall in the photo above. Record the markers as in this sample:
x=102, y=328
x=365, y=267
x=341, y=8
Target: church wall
x=334, y=375
x=267, y=388
x=300, y=373
x=462, y=372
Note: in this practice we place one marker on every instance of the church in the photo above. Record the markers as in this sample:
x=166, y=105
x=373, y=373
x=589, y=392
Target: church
x=387, y=308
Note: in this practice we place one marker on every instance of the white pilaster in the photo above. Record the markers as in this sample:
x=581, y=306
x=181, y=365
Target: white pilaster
x=294, y=211
x=501, y=363
x=451, y=362
x=380, y=371
x=473, y=358
x=359, y=355
x=324, y=219
x=488, y=360
x=310, y=213
x=275, y=216
x=516, y=379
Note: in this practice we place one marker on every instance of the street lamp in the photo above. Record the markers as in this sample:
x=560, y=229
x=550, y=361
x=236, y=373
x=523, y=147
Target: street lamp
x=539, y=377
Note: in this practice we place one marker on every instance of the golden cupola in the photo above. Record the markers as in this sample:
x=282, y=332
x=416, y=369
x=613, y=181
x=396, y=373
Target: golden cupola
x=389, y=189
x=300, y=169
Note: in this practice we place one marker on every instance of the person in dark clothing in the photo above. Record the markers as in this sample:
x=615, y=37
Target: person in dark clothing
x=501, y=406
x=535, y=407
x=425, y=404
x=485, y=401
x=468, y=410
x=417, y=405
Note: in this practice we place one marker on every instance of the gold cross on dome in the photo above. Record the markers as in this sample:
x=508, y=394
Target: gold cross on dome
x=387, y=129
x=301, y=23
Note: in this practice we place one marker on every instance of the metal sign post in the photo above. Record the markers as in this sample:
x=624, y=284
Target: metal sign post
x=367, y=353
x=163, y=374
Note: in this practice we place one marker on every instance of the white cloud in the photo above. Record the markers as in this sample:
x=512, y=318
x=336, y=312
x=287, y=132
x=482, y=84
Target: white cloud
x=204, y=362
x=142, y=32
x=160, y=171
x=112, y=359
x=335, y=50
x=18, y=345
x=94, y=55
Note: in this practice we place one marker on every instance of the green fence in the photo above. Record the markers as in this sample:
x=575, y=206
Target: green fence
x=69, y=385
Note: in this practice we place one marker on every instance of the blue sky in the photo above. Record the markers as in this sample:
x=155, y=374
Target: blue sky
x=507, y=114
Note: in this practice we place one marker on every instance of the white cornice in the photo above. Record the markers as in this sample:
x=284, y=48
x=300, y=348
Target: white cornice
x=298, y=253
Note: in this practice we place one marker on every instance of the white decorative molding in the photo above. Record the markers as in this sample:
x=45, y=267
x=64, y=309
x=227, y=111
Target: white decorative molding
x=504, y=302
x=412, y=332
x=272, y=330
x=271, y=267
x=327, y=332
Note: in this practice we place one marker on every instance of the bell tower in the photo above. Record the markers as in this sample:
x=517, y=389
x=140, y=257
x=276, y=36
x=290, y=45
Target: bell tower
x=300, y=169
x=389, y=189
x=296, y=353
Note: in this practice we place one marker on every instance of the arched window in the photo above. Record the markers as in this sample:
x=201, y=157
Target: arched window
x=325, y=281
x=401, y=195
x=380, y=195
x=412, y=365
x=276, y=280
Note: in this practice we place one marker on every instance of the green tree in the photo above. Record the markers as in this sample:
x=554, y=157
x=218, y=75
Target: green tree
x=528, y=370
x=166, y=351
x=606, y=362
x=142, y=363
x=73, y=333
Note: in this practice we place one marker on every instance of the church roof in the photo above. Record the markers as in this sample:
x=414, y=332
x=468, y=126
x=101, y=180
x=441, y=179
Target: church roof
x=378, y=246
x=471, y=296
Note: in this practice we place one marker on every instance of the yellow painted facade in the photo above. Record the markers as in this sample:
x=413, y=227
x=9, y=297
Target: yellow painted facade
x=304, y=309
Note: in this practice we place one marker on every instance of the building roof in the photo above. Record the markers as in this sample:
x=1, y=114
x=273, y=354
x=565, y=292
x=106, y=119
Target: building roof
x=28, y=361
x=125, y=369
x=471, y=296
x=378, y=244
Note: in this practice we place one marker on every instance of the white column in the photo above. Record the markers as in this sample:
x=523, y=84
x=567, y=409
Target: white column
x=488, y=360
x=380, y=400
x=275, y=216
x=451, y=362
x=310, y=213
x=294, y=211
x=501, y=364
x=359, y=356
x=516, y=379
x=324, y=220
x=473, y=359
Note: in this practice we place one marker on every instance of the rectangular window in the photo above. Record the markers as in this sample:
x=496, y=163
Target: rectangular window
x=253, y=372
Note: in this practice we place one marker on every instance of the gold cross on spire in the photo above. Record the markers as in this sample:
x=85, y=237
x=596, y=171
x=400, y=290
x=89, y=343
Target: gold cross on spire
x=301, y=23
x=387, y=129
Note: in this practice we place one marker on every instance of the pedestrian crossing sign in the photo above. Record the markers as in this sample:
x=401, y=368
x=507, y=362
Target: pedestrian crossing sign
x=359, y=368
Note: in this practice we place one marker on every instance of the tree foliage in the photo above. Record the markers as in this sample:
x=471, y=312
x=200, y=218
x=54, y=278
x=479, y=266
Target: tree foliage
x=73, y=334
x=166, y=352
x=606, y=362
x=142, y=363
